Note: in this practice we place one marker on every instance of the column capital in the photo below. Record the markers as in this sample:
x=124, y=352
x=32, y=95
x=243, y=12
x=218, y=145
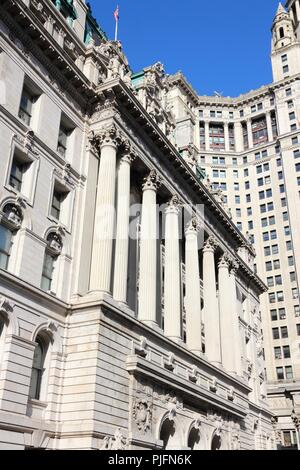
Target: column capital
x=193, y=226
x=109, y=136
x=129, y=154
x=152, y=181
x=211, y=244
x=234, y=266
x=174, y=205
x=224, y=261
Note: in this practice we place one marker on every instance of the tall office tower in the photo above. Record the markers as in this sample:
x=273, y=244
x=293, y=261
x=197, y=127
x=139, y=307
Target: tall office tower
x=247, y=150
x=116, y=323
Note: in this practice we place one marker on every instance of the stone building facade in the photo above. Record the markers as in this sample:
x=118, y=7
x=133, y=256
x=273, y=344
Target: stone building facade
x=247, y=151
x=120, y=326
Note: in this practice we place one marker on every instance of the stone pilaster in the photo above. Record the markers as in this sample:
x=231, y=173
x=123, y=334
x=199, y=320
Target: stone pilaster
x=101, y=266
x=235, y=319
x=211, y=310
x=192, y=289
x=172, y=281
x=207, y=143
x=249, y=131
x=148, y=252
x=122, y=232
x=238, y=136
x=226, y=136
x=269, y=127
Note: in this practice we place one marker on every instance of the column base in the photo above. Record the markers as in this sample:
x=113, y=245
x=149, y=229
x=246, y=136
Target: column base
x=125, y=308
x=152, y=324
x=177, y=340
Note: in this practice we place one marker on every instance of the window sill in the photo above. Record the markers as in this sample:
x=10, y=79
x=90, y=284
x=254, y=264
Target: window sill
x=38, y=403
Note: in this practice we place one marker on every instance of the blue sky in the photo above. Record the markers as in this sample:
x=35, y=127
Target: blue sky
x=220, y=45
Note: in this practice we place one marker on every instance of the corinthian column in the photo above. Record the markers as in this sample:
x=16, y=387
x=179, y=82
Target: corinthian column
x=105, y=212
x=226, y=317
x=122, y=241
x=211, y=310
x=192, y=289
x=269, y=126
x=148, y=252
x=172, y=297
x=250, y=134
x=235, y=320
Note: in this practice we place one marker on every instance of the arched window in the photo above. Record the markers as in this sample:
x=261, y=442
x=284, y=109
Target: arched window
x=194, y=439
x=216, y=443
x=11, y=221
x=167, y=432
x=281, y=33
x=39, y=365
x=52, y=252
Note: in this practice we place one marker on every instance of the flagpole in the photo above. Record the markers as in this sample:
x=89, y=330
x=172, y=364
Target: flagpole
x=116, y=32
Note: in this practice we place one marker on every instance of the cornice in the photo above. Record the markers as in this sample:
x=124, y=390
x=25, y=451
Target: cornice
x=37, y=40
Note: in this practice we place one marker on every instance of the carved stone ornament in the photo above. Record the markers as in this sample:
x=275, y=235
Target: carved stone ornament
x=296, y=420
x=106, y=136
x=170, y=362
x=142, y=414
x=230, y=394
x=14, y=211
x=193, y=225
x=152, y=181
x=213, y=386
x=224, y=261
x=141, y=349
x=5, y=306
x=236, y=442
x=118, y=442
x=54, y=240
x=51, y=327
x=210, y=244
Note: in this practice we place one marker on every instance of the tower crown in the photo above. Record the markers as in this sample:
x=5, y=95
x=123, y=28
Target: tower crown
x=282, y=29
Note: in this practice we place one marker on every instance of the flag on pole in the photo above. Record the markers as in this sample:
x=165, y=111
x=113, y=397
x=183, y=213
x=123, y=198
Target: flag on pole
x=117, y=16
x=116, y=13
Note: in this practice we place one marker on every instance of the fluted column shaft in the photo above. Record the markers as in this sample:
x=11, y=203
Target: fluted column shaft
x=249, y=131
x=122, y=232
x=297, y=9
x=226, y=136
x=235, y=321
x=192, y=290
x=172, y=297
x=211, y=310
x=148, y=252
x=104, y=218
x=226, y=317
x=238, y=136
x=207, y=143
x=269, y=127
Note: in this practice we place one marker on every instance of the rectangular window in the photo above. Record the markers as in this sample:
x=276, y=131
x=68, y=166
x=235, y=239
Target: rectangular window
x=270, y=281
x=275, y=249
x=291, y=261
x=274, y=316
x=16, y=174
x=297, y=167
x=275, y=332
x=288, y=92
x=277, y=353
x=249, y=210
x=237, y=199
x=285, y=69
x=273, y=234
x=276, y=264
x=280, y=373
x=5, y=246
x=25, y=110
x=298, y=329
x=284, y=332
x=292, y=116
x=297, y=310
x=48, y=268
x=289, y=373
x=286, y=352
x=278, y=280
x=267, y=251
x=282, y=314
x=294, y=142
x=248, y=197
x=272, y=298
x=284, y=58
